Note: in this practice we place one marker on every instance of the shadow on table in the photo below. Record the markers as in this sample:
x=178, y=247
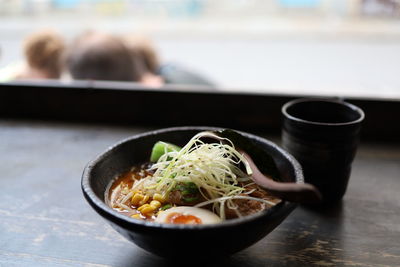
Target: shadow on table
x=308, y=237
x=146, y=259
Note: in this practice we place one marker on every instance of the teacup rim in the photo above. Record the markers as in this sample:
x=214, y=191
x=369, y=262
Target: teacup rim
x=328, y=100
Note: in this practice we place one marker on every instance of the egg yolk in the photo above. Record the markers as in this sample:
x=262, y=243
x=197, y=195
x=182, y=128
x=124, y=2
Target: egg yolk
x=179, y=218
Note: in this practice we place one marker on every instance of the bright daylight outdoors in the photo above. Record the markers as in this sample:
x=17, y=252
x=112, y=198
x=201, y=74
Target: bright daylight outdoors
x=327, y=47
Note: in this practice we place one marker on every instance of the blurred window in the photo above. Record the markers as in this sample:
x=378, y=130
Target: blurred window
x=311, y=46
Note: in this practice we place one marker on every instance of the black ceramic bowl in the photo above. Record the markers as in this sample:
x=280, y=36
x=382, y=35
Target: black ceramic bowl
x=176, y=240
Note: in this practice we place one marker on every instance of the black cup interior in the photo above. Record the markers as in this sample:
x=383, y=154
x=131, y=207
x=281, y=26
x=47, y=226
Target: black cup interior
x=321, y=111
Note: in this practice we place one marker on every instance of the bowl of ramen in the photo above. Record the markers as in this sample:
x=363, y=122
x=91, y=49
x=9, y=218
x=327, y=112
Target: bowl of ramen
x=181, y=191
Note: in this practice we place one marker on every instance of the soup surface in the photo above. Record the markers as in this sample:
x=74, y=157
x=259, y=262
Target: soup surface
x=200, y=183
x=122, y=198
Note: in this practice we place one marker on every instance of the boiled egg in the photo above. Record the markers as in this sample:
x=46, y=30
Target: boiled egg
x=187, y=215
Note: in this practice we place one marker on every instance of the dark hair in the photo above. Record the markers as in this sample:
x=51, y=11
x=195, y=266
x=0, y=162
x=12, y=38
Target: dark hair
x=143, y=48
x=101, y=56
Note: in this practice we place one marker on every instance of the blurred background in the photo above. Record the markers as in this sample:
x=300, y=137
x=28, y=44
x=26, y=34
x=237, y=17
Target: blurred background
x=332, y=47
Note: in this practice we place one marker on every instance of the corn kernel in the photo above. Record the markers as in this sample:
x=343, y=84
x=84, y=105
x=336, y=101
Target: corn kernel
x=136, y=216
x=142, y=207
x=155, y=203
x=146, y=208
x=158, y=197
x=136, y=198
x=144, y=200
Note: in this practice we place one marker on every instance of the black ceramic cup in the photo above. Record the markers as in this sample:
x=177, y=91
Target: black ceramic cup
x=323, y=134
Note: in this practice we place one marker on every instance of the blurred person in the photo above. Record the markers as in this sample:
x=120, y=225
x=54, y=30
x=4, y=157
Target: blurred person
x=166, y=72
x=141, y=48
x=176, y=74
x=43, y=52
x=146, y=50
x=100, y=56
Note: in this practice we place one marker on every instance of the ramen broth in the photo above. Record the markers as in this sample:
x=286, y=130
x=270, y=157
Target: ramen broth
x=120, y=188
x=200, y=183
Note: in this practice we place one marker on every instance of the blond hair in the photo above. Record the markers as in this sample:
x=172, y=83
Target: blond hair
x=44, y=52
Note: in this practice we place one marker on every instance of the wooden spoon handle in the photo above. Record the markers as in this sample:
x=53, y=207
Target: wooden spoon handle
x=299, y=193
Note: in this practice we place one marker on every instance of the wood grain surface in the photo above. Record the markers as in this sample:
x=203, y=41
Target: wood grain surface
x=45, y=221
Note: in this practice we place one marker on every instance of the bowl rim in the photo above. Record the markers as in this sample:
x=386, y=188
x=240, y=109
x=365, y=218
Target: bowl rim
x=105, y=211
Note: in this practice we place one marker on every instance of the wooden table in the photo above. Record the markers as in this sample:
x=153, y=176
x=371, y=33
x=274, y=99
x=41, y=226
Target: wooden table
x=45, y=221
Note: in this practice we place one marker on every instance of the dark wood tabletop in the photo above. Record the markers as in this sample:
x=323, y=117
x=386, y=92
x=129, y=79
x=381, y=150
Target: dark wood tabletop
x=45, y=221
